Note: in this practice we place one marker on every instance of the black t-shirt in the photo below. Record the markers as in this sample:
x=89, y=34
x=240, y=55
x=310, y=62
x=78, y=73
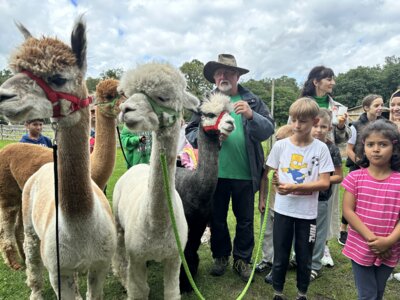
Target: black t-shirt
x=337, y=162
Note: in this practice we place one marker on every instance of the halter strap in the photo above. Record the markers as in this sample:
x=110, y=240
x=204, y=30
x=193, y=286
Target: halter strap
x=215, y=126
x=53, y=96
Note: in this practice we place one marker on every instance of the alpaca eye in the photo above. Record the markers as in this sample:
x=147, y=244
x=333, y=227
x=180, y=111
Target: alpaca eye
x=210, y=115
x=162, y=99
x=57, y=80
x=109, y=97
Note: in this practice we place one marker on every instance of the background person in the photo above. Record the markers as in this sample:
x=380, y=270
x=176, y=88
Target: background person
x=137, y=146
x=34, y=135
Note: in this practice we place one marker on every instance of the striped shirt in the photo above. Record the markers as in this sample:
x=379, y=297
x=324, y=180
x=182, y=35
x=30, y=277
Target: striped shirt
x=378, y=207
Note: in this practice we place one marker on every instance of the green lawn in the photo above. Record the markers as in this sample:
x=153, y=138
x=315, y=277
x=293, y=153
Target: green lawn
x=335, y=283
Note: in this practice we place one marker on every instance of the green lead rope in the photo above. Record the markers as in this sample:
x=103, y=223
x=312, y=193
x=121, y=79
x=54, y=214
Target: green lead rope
x=178, y=241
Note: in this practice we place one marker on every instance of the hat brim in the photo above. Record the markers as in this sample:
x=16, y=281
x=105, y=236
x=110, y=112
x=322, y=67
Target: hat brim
x=212, y=66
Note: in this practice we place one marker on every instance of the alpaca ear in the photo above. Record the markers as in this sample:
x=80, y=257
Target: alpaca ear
x=25, y=32
x=78, y=42
x=190, y=102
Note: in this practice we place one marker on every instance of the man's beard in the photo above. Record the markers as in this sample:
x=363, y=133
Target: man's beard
x=224, y=86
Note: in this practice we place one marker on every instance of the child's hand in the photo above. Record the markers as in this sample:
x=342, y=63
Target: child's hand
x=379, y=245
x=261, y=204
x=342, y=121
x=386, y=254
x=275, y=179
x=285, y=188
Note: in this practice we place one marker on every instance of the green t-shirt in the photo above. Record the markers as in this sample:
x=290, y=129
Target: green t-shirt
x=233, y=157
x=322, y=102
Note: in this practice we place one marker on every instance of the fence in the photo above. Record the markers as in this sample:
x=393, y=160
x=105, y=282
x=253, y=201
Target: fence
x=15, y=132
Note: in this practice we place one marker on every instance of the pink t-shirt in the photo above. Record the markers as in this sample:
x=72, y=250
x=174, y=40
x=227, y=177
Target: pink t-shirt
x=378, y=207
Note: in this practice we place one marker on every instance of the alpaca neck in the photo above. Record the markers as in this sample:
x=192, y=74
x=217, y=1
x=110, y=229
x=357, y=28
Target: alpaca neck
x=207, y=167
x=166, y=139
x=103, y=157
x=75, y=191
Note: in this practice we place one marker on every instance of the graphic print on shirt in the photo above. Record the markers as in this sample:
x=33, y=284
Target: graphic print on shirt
x=295, y=167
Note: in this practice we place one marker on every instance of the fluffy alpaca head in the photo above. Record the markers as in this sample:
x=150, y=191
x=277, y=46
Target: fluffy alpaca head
x=215, y=114
x=60, y=66
x=151, y=87
x=108, y=99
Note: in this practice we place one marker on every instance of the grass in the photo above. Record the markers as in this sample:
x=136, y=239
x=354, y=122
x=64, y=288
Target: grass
x=335, y=283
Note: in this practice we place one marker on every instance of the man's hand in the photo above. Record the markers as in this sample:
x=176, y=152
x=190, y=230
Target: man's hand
x=242, y=107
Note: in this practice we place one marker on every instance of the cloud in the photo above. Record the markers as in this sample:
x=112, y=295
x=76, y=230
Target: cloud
x=271, y=38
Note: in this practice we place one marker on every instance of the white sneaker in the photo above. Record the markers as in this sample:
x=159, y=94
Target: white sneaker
x=397, y=276
x=205, y=239
x=327, y=260
x=390, y=277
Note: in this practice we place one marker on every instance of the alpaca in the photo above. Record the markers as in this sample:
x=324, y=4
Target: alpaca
x=19, y=161
x=49, y=82
x=197, y=187
x=156, y=97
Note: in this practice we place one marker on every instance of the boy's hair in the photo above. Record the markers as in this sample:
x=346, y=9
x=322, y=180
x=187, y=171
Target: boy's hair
x=304, y=108
x=390, y=131
x=325, y=113
x=27, y=122
x=284, y=132
x=367, y=100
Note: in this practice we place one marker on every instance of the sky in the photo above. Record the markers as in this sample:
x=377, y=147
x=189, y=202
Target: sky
x=271, y=38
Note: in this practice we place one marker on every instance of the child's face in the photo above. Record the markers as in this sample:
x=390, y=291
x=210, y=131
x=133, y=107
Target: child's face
x=378, y=149
x=302, y=126
x=375, y=109
x=35, y=128
x=321, y=129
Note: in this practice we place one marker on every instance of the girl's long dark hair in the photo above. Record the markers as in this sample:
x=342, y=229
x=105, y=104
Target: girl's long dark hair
x=318, y=73
x=390, y=131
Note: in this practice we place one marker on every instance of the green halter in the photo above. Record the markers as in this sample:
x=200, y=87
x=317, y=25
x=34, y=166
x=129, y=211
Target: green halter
x=159, y=110
x=114, y=107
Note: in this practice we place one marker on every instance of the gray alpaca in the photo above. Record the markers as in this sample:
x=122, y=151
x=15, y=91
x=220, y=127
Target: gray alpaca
x=196, y=187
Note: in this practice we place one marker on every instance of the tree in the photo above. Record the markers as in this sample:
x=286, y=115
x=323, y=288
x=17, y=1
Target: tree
x=91, y=84
x=4, y=75
x=112, y=73
x=197, y=84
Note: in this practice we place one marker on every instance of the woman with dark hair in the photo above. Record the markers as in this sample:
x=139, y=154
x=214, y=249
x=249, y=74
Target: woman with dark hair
x=319, y=86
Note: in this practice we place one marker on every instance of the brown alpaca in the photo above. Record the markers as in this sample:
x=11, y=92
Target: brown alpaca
x=19, y=161
x=86, y=229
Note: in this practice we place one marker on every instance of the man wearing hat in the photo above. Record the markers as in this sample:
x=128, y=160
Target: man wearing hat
x=240, y=162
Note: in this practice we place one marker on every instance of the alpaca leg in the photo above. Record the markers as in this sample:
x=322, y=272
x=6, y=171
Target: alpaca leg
x=9, y=244
x=137, y=279
x=78, y=295
x=67, y=285
x=34, y=265
x=119, y=261
x=171, y=278
x=96, y=278
x=19, y=234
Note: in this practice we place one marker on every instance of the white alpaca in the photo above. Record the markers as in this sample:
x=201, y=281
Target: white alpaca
x=156, y=97
x=86, y=229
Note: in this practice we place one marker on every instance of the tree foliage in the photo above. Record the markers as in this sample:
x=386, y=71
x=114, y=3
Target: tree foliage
x=112, y=73
x=197, y=84
x=4, y=75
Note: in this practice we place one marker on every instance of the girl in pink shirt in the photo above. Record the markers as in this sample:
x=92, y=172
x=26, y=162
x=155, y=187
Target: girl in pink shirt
x=371, y=204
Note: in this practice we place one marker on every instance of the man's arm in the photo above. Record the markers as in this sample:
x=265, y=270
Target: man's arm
x=192, y=129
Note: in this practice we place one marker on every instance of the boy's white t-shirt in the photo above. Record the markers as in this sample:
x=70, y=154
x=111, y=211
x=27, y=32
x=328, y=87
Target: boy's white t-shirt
x=299, y=165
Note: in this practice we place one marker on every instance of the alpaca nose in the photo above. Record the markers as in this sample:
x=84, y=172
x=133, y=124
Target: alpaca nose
x=125, y=108
x=5, y=96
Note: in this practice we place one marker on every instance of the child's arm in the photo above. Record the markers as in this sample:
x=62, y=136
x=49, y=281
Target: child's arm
x=263, y=191
x=382, y=244
x=321, y=184
x=349, y=204
x=337, y=176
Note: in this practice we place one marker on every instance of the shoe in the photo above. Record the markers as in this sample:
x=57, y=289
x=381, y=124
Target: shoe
x=390, y=277
x=301, y=298
x=397, y=276
x=314, y=275
x=327, y=260
x=343, y=237
x=242, y=268
x=263, y=266
x=292, y=265
x=220, y=265
x=205, y=238
x=268, y=278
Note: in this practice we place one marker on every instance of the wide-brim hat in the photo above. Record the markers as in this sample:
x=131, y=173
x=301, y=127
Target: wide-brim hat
x=227, y=61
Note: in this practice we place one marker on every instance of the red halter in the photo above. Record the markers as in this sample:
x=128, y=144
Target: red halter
x=54, y=96
x=215, y=126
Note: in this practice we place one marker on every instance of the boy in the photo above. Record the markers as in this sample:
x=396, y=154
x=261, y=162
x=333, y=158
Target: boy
x=34, y=135
x=321, y=131
x=302, y=168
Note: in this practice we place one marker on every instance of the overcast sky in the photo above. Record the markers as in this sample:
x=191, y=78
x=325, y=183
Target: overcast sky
x=269, y=37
